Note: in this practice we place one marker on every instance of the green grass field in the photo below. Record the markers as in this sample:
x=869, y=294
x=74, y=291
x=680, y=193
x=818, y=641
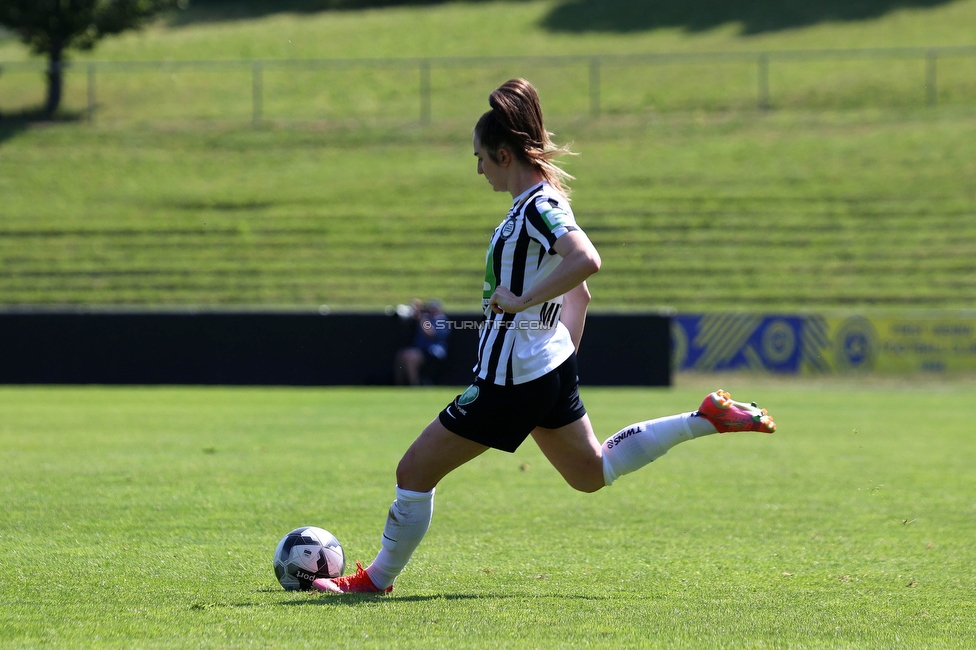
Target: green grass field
x=147, y=517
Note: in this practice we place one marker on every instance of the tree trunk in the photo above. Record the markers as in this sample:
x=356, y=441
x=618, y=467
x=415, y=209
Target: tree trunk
x=55, y=79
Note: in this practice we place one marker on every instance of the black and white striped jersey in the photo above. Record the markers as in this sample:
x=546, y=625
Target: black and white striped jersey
x=516, y=348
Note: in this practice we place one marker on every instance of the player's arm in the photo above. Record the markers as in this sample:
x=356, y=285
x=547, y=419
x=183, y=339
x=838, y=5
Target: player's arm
x=580, y=260
x=573, y=314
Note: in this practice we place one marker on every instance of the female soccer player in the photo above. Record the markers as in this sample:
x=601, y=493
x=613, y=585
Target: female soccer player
x=535, y=299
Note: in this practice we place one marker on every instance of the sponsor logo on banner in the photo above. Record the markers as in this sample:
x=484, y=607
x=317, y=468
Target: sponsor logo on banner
x=855, y=344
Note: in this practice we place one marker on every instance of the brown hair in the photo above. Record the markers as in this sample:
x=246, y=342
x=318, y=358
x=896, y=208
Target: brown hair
x=515, y=123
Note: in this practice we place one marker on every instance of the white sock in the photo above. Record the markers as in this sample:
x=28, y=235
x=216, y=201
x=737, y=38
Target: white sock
x=637, y=445
x=406, y=524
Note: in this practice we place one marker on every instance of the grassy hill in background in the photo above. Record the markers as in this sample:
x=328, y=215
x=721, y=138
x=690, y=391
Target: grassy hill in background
x=727, y=208
x=780, y=211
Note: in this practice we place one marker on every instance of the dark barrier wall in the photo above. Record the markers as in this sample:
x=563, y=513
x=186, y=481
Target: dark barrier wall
x=275, y=348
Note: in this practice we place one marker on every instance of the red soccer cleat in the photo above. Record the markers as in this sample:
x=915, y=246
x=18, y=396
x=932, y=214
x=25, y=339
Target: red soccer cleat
x=358, y=583
x=727, y=415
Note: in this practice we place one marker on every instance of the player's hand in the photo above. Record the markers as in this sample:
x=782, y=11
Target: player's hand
x=503, y=300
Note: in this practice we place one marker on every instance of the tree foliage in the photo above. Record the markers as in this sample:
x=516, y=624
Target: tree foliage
x=49, y=27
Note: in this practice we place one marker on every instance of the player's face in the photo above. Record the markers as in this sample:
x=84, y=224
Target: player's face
x=490, y=169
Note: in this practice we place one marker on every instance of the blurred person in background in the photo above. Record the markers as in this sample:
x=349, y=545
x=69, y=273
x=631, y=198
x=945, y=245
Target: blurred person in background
x=419, y=362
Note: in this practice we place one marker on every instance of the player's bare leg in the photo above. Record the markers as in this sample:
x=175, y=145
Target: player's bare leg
x=575, y=453
x=588, y=466
x=431, y=457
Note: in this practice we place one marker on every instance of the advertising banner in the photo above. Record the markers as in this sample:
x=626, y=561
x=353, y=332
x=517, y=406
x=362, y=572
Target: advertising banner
x=817, y=343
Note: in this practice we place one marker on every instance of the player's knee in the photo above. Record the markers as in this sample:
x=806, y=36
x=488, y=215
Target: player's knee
x=588, y=484
x=410, y=474
x=405, y=471
x=589, y=488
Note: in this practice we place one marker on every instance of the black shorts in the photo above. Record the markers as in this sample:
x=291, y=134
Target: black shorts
x=502, y=417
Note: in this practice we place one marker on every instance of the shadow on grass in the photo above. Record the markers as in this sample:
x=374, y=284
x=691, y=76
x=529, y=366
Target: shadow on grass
x=619, y=16
x=355, y=599
x=13, y=124
x=755, y=16
x=350, y=599
x=221, y=10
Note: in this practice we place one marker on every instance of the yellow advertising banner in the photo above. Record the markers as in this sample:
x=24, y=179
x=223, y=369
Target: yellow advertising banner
x=904, y=343
x=817, y=343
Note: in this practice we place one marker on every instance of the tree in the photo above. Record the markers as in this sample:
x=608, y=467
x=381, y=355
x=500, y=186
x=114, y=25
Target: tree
x=49, y=27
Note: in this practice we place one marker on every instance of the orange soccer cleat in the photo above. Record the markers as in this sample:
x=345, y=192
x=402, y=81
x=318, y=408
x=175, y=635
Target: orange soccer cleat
x=358, y=583
x=728, y=415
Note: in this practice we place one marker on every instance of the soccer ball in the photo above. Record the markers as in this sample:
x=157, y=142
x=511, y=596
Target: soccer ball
x=305, y=554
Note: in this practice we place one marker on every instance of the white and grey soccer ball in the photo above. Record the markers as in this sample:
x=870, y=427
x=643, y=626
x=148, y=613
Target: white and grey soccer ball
x=306, y=554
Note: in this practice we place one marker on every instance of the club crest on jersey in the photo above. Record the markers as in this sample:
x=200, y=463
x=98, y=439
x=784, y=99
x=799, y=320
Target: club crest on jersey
x=508, y=228
x=469, y=395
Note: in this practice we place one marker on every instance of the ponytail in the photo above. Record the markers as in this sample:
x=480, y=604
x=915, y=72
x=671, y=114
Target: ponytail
x=515, y=123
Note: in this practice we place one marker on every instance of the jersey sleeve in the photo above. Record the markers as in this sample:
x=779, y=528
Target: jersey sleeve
x=547, y=219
